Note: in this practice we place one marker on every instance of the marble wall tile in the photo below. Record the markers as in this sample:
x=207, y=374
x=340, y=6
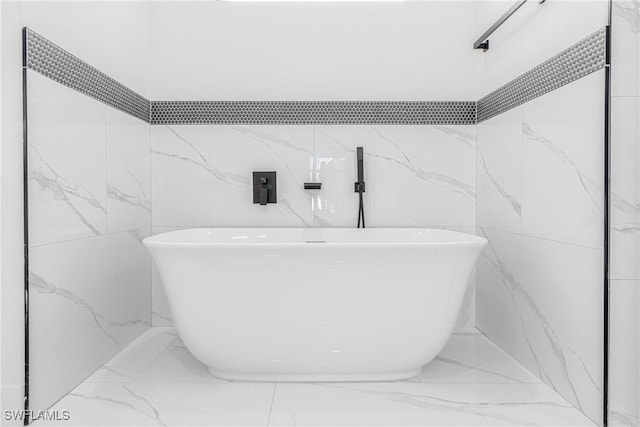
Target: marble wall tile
x=128, y=172
x=467, y=316
x=202, y=174
x=625, y=188
x=624, y=370
x=500, y=171
x=89, y=209
x=562, y=163
x=541, y=301
x=415, y=175
x=67, y=163
x=540, y=204
x=624, y=356
x=160, y=312
x=625, y=49
x=88, y=299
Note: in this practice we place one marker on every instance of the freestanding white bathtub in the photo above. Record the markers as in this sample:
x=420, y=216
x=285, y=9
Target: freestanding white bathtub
x=284, y=304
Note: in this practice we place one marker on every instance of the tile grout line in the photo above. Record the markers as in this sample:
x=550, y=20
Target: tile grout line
x=513, y=233
x=136, y=377
x=93, y=236
x=151, y=233
x=273, y=398
x=540, y=381
x=144, y=371
x=522, y=204
x=106, y=169
x=84, y=381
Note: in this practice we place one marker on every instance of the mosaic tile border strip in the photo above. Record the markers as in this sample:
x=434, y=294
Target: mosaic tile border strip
x=579, y=60
x=582, y=58
x=313, y=112
x=50, y=60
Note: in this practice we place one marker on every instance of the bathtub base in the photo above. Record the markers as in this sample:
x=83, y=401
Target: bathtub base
x=283, y=377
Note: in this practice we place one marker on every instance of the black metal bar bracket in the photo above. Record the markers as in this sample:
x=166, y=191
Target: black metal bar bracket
x=483, y=40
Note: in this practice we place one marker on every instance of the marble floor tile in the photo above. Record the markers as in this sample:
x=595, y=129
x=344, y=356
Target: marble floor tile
x=472, y=358
x=129, y=364
x=166, y=404
x=157, y=382
x=177, y=365
x=412, y=404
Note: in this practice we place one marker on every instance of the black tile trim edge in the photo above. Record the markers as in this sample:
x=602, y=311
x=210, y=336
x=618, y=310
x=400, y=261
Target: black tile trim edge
x=25, y=226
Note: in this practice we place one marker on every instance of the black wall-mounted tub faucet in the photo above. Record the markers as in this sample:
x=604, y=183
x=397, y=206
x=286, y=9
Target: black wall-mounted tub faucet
x=264, y=188
x=359, y=184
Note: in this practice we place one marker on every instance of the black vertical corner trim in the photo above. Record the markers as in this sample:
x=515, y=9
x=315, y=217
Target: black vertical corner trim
x=25, y=216
x=607, y=220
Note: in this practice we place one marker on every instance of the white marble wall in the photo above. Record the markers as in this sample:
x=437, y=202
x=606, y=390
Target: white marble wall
x=624, y=355
x=540, y=205
x=111, y=36
x=89, y=206
x=416, y=176
x=624, y=370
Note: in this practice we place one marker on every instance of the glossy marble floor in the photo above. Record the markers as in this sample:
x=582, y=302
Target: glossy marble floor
x=156, y=382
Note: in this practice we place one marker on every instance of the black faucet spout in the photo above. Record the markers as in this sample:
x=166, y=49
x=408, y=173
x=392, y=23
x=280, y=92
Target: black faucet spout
x=359, y=186
x=360, y=160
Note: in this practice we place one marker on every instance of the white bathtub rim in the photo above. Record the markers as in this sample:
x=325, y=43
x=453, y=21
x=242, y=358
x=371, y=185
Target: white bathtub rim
x=168, y=239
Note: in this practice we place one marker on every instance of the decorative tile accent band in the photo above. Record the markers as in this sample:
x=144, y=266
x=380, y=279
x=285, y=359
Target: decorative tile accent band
x=52, y=61
x=314, y=112
x=584, y=57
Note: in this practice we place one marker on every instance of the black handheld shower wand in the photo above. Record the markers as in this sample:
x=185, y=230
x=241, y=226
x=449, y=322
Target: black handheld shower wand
x=359, y=185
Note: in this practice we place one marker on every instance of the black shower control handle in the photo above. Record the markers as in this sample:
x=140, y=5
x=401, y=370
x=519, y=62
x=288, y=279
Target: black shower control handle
x=264, y=188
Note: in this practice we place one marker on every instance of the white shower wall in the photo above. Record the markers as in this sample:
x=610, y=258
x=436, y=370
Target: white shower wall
x=624, y=353
x=109, y=35
x=540, y=205
x=417, y=176
x=89, y=209
x=316, y=51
